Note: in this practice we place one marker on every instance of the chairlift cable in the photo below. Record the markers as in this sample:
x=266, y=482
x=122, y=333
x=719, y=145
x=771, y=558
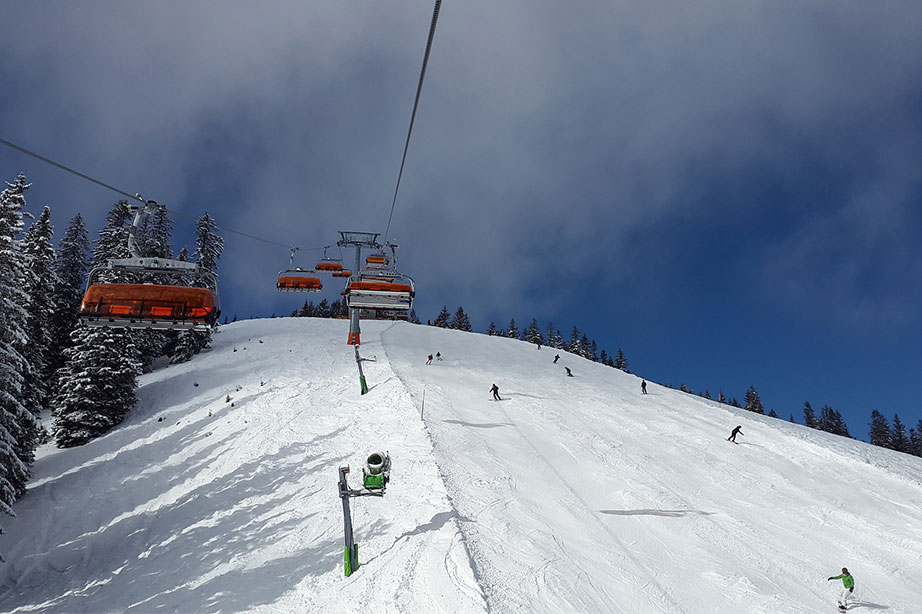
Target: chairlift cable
x=135, y=196
x=419, y=89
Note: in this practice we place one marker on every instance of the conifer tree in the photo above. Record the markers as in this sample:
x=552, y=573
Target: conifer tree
x=753, y=402
x=827, y=419
x=513, y=331
x=533, y=333
x=792, y=420
x=323, y=309
x=491, y=331
x=209, y=248
x=97, y=386
x=575, y=346
x=810, y=418
x=707, y=394
x=307, y=311
x=772, y=414
x=18, y=428
x=593, y=351
x=900, y=441
x=603, y=357
x=40, y=287
x=73, y=259
x=460, y=321
x=621, y=361
x=915, y=440
x=413, y=318
x=443, y=318
x=880, y=430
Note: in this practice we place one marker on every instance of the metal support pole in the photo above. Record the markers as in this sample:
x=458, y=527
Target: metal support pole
x=355, y=330
x=358, y=361
x=351, y=556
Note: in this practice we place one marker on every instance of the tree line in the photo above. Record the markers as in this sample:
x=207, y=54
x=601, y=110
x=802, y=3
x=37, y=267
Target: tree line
x=85, y=375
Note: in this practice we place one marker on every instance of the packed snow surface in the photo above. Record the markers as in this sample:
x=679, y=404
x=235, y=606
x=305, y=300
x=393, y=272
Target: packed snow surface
x=219, y=494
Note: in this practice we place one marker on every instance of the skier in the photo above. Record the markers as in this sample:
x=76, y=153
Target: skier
x=643, y=386
x=734, y=433
x=495, y=390
x=539, y=345
x=429, y=362
x=438, y=356
x=569, y=374
x=556, y=358
x=848, y=582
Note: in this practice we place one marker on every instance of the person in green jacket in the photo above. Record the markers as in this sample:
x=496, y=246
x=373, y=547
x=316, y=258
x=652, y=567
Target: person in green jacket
x=849, y=583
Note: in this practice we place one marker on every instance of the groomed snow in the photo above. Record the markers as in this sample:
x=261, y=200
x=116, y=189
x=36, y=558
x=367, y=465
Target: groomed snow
x=571, y=495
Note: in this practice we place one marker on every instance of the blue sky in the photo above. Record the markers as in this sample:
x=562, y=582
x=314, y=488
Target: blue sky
x=729, y=192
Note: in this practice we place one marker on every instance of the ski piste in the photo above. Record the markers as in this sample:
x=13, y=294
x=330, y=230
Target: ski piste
x=582, y=496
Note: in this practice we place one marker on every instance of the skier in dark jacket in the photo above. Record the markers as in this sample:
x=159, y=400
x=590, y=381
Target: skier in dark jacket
x=556, y=358
x=734, y=433
x=848, y=582
x=569, y=373
x=495, y=390
x=643, y=386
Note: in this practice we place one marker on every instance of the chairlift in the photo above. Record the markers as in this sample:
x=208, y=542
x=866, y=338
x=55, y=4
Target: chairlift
x=296, y=279
x=396, y=294
x=343, y=273
x=329, y=265
x=150, y=305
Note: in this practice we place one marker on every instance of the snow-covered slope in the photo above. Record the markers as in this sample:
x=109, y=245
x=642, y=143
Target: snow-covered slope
x=572, y=495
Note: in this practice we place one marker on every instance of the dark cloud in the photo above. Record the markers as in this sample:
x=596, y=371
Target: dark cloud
x=555, y=142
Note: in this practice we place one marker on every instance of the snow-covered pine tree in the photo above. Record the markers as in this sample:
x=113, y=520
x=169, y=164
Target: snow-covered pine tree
x=97, y=385
x=73, y=258
x=900, y=441
x=880, y=430
x=413, y=318
x=593, y=351
x=513, y=331
x=603, y=357
x=209, y=247
x=915, y=440
x=158, y=238
x=839, y=424
x=460, y=321
x=827, y=419
x=491, y=331
x=810, y=418
x=585, y=344
x=621, y=361
x=753, y=402
x=323, y=309
x=443, y=318
x=337, y=309
x=40, y=287
x=533, y=333
x=575, y=345
x=18, y=428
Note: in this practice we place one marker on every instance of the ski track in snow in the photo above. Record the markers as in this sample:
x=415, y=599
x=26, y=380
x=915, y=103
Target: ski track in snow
x=576, y=495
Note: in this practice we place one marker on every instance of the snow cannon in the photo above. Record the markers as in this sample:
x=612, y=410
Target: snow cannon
x=377, y=471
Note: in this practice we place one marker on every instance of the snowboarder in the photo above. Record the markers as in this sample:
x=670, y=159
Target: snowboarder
x=848, y=582
x=556, y=358
x=495, y=390
x=539, y=345
x=429, y=362
x=643, y=386
x=438, y=356
x=569, y=373
x=734, y=433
